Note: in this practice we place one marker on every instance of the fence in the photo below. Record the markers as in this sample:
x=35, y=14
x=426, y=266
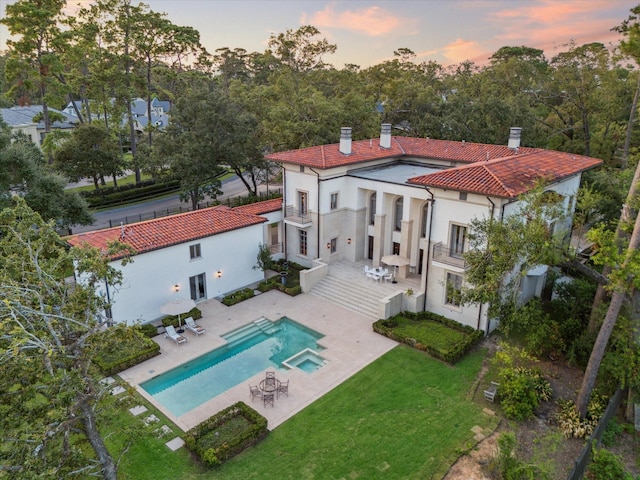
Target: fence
x=585, y=456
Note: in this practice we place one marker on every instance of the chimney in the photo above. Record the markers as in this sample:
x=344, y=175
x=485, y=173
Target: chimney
x=345, y=140
x=385, y=135
x=514, y=138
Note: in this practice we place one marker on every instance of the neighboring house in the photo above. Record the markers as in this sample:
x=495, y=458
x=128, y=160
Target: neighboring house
x=21, y=119
x=361, y=200
x=201, y=254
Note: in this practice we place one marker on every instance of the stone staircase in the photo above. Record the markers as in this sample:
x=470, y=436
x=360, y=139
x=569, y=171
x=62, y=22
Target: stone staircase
x=345, y=285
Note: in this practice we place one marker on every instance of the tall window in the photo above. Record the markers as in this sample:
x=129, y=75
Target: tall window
x=303, y=242
x=424, y=220
x=398, y=215
x=334, y=201
x=453, y=289
x=303, y=205
x=458, y=238
x=334, y=245
x=198, y=287
x=372, y=208
x=194, y=251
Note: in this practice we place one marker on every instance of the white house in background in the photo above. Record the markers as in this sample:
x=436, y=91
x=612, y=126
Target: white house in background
x=361, y=200
x=200, y=255
x=21, y=119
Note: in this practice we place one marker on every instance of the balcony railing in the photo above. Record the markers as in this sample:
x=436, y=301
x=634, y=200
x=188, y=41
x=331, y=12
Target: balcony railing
x=297, y=217
x=442, y=253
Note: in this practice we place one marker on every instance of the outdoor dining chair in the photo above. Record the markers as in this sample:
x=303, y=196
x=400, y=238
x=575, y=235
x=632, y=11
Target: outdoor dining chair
x=268, y=398
x=254, y=391
x=283, y=388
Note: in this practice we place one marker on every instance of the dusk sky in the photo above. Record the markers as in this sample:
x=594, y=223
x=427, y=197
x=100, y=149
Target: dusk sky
x=368, y=32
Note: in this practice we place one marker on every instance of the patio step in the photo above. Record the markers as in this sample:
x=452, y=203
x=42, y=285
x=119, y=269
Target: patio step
x=242, y=333
x=266, y=326
x=358, y=294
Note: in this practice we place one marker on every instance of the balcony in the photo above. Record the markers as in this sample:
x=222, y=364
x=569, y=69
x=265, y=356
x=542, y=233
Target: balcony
x=297, y=218
x=276, y=248
x=442, y=254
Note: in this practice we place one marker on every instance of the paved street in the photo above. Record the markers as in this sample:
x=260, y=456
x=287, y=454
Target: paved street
x=232, y=187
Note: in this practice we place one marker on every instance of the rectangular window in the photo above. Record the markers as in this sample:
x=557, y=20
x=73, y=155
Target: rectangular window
x=458, y=238
x=198, y=287
x=194, y=251
x=453, y=289
x=463, y=196
x=302, y=203
x=303, y=242
x=334, y=201
x=334, y=245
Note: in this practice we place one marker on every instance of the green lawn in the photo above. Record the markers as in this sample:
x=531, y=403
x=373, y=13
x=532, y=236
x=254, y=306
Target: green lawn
x=404, y=416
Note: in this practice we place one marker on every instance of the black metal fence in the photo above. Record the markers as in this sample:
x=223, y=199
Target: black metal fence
x=585, y=456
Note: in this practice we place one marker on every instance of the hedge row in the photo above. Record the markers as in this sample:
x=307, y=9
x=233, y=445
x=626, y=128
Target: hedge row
x=106, y=197
x=455, y=349
x=119, y=348
x=176, y=320
x=226, y=434
x=238, y=296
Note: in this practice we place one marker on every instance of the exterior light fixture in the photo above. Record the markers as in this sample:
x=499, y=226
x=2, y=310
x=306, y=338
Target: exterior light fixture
x=176, y=288
x=219, y=274
x=328, y=245
x=348, y=241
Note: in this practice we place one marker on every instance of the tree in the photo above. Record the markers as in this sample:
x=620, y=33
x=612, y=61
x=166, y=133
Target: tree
x=50, y=390
x=90, y=152
x=24, y=172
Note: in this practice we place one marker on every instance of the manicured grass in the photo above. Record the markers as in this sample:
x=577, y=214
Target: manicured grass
x=404, y=416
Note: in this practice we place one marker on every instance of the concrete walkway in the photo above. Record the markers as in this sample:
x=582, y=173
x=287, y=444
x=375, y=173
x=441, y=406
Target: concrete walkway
x=349, y=340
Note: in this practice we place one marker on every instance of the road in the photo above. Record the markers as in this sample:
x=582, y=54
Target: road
x=231, y=187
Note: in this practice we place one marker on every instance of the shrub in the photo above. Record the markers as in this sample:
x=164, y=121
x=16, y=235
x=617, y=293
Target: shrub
x=570, y=423
x=174, y=320
x=226, y=434
x=506, y=464
x=121, y=347
x=606, y=466
x=238, y=296
x=148, y=330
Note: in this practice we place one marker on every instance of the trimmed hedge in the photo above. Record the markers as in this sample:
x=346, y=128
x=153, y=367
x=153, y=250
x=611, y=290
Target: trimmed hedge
x=108, y=196
x=226, y=434
x=238, y=296
x=121, y=347
x=148, y=330
x=440, y=337
x=173, y=319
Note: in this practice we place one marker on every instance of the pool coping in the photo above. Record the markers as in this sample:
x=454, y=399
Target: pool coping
x=349, y=341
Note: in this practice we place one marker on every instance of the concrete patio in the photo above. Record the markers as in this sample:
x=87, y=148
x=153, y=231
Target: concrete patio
x=349, y=340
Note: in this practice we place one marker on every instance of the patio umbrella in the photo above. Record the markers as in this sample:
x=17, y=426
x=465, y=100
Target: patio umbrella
x=178, y=306
x=395, y=261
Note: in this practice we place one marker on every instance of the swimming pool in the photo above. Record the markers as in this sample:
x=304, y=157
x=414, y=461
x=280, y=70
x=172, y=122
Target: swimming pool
x=250, y=349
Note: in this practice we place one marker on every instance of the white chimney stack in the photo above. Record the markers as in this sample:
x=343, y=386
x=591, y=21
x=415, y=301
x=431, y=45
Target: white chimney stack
x=345, y=140
x=385, y=135
x=514, y=137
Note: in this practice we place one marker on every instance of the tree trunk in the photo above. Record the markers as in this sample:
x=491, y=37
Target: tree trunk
x=617, y=299
x=109, y=469
x=625, y=215
x=632, y=114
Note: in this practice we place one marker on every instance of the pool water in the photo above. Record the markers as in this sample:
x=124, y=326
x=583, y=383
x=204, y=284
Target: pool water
x=250, y=349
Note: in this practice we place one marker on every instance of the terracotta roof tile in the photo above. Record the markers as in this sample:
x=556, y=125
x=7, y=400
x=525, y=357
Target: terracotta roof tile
x=328, y=156
x=164, y=232
x=509, y=177
x=260, y=208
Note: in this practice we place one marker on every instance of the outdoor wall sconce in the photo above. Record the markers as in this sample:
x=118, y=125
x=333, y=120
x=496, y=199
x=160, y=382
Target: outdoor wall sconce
x=348, y=241
x=328, y=245
x=176, y=288
x=218, y=274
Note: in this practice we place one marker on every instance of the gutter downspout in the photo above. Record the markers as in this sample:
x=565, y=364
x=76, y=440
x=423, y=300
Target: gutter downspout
x=486, y=328
x=284, y=213
x=426, y=268
x=318, y=204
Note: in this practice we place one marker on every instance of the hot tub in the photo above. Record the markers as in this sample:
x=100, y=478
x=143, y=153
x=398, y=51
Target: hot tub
x=307, y=360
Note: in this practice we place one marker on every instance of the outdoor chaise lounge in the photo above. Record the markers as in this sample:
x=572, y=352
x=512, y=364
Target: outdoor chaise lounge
x=170, y=332
x=193, y=326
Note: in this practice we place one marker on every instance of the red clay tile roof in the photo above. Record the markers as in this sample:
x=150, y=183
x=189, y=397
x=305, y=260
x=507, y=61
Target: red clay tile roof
x=509, y=177
x=260, y=208
x=164, y=232
x=328, y=156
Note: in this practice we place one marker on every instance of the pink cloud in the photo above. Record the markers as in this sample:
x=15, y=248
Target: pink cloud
x=462, y=50
x=372, y=21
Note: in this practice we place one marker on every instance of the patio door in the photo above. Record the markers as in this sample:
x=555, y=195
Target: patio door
x=370, y=247
x=198, y=287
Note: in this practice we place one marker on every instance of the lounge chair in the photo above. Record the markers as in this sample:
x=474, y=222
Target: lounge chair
x=170, y=332
x=193, y=326
x=283, y=388
x=254, y=391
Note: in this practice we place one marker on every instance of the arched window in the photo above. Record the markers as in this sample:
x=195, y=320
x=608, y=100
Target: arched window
x=398, y=214
x=372, y=208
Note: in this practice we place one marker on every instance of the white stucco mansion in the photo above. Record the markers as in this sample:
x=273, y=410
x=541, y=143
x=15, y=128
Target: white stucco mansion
x=353, y=200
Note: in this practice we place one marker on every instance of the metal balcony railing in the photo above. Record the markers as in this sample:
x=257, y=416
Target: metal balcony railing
x=294, y=215
x=442, y=253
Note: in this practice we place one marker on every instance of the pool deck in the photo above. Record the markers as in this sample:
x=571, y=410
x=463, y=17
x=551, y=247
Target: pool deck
x=349, y=340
